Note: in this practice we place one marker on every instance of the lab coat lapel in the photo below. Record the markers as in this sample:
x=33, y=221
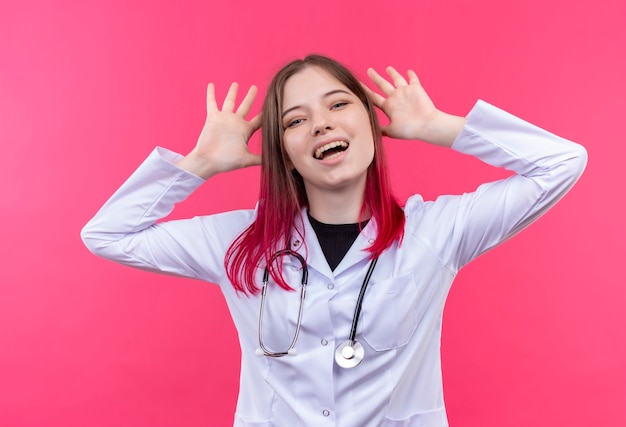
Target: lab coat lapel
x=358, y=251
x=312, y=252
x=315, y=256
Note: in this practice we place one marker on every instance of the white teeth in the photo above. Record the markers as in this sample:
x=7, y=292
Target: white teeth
x=320, y=151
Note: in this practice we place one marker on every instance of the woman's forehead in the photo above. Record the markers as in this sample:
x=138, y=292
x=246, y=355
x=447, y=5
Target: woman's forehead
x=310, y=84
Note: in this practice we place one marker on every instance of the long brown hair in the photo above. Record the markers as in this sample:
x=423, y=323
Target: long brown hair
x=282, y=194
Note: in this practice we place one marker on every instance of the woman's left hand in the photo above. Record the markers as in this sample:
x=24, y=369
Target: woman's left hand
x=412, y=114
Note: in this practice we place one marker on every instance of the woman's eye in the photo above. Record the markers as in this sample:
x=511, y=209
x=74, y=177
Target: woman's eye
x=339, y=104
x=293, y=123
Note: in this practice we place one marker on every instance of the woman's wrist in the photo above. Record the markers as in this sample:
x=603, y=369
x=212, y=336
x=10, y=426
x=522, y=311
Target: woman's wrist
x=196, y=165
x=443, y=129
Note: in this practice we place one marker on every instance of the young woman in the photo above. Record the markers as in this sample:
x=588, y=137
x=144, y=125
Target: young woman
x=370, y=278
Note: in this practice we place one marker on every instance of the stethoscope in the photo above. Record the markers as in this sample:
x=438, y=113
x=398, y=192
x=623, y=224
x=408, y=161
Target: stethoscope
x=349, y=353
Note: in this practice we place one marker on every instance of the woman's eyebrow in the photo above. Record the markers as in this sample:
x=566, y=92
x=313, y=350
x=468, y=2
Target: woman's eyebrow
x=326, y=95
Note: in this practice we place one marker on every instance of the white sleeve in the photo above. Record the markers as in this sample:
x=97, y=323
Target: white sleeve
x=546, y=166
x=126, y=228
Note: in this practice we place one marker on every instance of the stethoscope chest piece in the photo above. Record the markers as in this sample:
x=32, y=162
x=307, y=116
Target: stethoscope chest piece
x=349, y=354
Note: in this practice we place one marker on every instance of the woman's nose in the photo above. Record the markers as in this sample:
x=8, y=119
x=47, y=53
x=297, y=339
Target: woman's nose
x=322, y=125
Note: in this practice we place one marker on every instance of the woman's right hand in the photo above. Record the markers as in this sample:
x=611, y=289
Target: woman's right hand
x=223, y=143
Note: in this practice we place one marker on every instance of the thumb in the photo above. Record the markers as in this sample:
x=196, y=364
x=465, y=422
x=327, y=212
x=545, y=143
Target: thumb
x=253, y=159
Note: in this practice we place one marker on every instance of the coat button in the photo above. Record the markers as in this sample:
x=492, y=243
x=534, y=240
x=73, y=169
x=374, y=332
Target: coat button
x=331, y=286
x=326, y=412
x=324, y=342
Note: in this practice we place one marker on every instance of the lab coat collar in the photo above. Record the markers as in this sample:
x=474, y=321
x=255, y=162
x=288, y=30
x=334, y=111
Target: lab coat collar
x=311, y=250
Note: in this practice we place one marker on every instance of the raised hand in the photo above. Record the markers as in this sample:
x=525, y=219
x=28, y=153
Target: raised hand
x=411, y=113
x=223, y=143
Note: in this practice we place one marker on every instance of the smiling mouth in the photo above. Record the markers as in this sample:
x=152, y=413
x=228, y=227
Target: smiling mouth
x=330, y=149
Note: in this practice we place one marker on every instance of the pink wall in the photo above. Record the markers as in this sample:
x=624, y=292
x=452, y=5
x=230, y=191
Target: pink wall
x=534, y=331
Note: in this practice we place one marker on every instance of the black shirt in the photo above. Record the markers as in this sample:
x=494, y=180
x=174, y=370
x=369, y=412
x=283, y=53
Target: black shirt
x=335, y=239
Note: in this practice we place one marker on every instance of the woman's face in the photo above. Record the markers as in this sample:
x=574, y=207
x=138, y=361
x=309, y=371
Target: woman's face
x=328, y=135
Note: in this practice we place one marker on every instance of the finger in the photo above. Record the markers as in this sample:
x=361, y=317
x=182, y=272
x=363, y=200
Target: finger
x=379, y=81
x=398, y=79
x=255, y=123
x=231, y=97
x=413, y=79
x=246, y=103
x=376, y=98
x=253, y=159
x=211, y=105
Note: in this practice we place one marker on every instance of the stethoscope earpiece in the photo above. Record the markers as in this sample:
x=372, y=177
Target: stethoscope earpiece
x=290, y=352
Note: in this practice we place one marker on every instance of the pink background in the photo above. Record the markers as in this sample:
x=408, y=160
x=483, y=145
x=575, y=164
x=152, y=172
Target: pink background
x=534, y=331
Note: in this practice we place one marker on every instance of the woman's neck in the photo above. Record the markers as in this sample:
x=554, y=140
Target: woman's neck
x=338, y=206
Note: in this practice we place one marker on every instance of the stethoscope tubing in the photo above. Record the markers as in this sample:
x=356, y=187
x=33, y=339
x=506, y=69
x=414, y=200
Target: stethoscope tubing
x=349, y=353
x=359, y=301
x=264, y=351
